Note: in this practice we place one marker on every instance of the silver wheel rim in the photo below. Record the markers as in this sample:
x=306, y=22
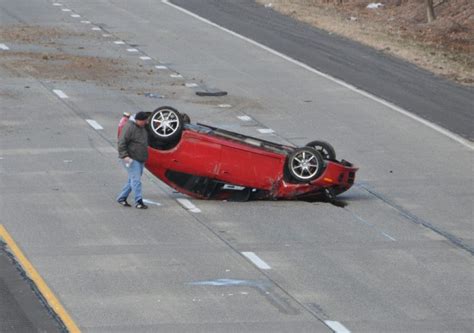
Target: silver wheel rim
x=305, y=165
x=165, y=123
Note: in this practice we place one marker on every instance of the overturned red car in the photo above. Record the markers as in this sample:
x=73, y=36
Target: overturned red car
x=211, y=163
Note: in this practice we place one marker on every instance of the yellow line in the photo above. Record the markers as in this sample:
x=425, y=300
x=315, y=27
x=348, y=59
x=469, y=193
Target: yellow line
x=38, y=280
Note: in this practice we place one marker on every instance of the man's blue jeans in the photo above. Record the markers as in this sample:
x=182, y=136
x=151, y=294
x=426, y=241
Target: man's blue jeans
x=134, y=183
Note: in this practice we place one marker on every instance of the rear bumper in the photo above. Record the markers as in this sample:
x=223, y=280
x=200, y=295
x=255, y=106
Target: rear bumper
x=338, y=177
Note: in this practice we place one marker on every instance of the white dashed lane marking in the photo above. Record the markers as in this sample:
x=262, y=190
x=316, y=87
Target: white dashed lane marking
x=132, y=50
x=119, y=42
x=224, y=105
x=266, y=130
x=86, y=22
x=145, y=58
x=256, y=260
x=96, y=29
x=244, y=118
x=151, y=202
x=4, y=47
x=60, y=93
x=66, y=10
x=175, y=76
x=336, y=326
x=191, y=85
x=57, y=4
x=161, y=67
x=75, y=15
x=94, y=124
x=188, y=205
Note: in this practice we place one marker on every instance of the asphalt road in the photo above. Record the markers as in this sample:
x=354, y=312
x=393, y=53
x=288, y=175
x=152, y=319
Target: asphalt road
x=397, y=258
x=21, y=309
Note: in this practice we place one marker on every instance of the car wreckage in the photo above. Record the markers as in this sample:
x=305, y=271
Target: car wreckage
x=206, y=162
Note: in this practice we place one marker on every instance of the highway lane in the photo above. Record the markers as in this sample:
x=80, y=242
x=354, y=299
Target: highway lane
x=418, y=91
x=402, y=160
x=366, y=266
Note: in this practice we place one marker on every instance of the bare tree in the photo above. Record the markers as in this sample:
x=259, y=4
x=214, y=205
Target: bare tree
x=430, y=15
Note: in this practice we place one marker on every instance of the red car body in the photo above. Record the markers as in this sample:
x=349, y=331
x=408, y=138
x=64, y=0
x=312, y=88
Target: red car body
x=212, y=163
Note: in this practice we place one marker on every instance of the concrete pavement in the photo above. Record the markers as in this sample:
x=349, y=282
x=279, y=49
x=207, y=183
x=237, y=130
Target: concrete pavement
x=367, y=266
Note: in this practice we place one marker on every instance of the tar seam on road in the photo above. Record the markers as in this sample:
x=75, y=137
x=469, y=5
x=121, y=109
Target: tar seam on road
x=360, y=219
x=43, y=288
x=415, y=219
x=394, y=107
x=263, y=272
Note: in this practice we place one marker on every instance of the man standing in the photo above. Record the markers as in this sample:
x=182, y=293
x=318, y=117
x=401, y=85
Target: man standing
x=133, y=152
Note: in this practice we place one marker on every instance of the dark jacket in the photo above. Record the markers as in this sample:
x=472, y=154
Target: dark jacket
x=133, y=142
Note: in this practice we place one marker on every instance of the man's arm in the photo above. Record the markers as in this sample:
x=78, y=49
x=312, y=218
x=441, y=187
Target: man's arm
x=123, y=142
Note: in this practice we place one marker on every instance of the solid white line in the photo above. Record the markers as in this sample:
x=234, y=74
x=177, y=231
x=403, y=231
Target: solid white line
x=119, y=42
x=4, y=47
x=60, y=93
x=256, y=260
x=398, y=109
x=266, y=130
x=132, y=50
x=145, y=58
x=95, y=125
x=188, y=205
x=245, y=118
x=336, y=326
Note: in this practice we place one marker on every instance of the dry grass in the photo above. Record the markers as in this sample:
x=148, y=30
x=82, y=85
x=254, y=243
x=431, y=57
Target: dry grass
x=444, y=47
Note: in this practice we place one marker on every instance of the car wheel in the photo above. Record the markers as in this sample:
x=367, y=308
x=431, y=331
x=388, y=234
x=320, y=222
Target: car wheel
x=166, y=124
x=305, y=164
x=186, y=118
x=325, y=149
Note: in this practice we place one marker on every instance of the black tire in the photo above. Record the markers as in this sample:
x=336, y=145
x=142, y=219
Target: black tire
x=186, y=118
x=325, y=149
x=165, y=125
x=305, y=164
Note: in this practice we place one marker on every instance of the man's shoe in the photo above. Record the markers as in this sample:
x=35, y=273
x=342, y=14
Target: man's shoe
x=124, y=203
x=141, y=205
